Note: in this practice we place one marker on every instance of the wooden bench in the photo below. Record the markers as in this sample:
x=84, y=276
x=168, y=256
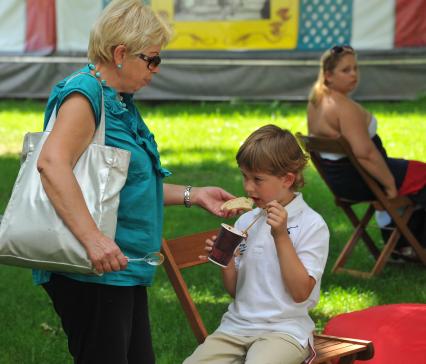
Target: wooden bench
x=183, y=252
x=347, y=350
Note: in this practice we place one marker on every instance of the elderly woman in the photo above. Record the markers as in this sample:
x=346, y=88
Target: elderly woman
x=331, y=113
x=106, y=317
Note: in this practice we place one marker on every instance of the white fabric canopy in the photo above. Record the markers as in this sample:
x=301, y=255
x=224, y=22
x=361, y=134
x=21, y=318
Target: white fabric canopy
x=373, y=24
x=12, y=26
x=74, y=20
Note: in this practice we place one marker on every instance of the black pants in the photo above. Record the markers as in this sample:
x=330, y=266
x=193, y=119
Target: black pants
x=104, y=324
x=346, y=182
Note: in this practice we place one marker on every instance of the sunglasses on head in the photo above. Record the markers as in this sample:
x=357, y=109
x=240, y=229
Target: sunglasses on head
x=339, y=49
x=152, y=61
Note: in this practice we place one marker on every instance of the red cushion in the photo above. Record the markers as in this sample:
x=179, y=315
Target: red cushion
x=397, y=331
x=415, y=178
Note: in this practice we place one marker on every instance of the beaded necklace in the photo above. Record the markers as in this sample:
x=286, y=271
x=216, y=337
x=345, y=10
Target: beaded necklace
x=98, y=75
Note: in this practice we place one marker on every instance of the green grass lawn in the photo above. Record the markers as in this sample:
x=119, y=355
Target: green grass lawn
x=198, y=143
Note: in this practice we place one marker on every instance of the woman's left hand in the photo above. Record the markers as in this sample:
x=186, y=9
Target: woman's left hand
x=211, y=199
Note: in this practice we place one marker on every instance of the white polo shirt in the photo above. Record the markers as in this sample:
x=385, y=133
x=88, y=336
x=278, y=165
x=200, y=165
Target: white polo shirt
x=262, y=303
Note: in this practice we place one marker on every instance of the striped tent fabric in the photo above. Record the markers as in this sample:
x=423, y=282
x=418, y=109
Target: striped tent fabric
x=27, y=26
x=40, y=34
x=48, y=26
x=410, y=23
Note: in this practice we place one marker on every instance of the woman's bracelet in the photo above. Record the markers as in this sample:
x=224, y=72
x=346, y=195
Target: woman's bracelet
x=187, y=196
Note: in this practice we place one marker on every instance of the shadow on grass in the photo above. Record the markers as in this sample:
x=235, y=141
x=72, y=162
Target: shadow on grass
x=279, y=108
x=172, y=336
x=22, y=106
x=244, y=109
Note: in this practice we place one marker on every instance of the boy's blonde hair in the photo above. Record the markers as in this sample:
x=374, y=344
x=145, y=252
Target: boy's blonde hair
x=127, y=22
x=328, y=62
x=275, y=151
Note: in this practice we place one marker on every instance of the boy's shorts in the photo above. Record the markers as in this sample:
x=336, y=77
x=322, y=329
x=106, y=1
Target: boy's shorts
x=271, y=348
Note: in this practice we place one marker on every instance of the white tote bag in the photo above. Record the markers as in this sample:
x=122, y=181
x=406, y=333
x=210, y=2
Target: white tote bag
x=32, y=235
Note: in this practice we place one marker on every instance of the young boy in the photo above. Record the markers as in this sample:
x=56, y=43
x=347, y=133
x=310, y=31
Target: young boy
x=276, y=277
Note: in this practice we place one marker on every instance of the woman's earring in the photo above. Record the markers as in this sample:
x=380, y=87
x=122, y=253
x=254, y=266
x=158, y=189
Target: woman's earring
x=119, y=66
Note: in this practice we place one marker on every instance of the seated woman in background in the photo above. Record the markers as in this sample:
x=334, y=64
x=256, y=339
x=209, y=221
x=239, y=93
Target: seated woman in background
x=332, y=113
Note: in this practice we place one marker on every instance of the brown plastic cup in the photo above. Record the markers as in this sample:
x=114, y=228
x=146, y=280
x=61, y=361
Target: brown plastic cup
x=225, y=244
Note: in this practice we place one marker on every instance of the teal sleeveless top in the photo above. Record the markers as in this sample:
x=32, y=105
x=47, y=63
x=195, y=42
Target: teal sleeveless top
x=140, y=213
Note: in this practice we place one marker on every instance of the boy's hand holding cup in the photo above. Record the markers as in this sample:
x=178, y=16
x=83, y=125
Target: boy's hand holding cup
x=228, y=238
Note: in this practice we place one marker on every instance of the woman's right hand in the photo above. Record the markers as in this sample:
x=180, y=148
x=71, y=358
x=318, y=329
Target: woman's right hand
x=391, y=192
x=105, y=255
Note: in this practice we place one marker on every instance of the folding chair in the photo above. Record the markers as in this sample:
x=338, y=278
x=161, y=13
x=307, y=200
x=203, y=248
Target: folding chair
x=183, y=252
x=314, y=146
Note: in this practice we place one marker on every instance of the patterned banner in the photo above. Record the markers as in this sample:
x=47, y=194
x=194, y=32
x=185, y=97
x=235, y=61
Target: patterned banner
x=232, y=24
x=324, y=23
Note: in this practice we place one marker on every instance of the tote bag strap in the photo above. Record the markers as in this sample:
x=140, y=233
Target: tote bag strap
x=99, y=136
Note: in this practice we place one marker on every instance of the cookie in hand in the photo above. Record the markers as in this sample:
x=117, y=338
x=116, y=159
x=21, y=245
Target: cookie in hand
x=239, y=203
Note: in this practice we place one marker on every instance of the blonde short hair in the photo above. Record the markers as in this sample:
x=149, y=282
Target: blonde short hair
x=130, y=23
x=328, y=62
x=274, y=151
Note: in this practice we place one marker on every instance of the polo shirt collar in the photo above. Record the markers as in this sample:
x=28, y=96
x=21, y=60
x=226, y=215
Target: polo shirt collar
x=295, y=206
